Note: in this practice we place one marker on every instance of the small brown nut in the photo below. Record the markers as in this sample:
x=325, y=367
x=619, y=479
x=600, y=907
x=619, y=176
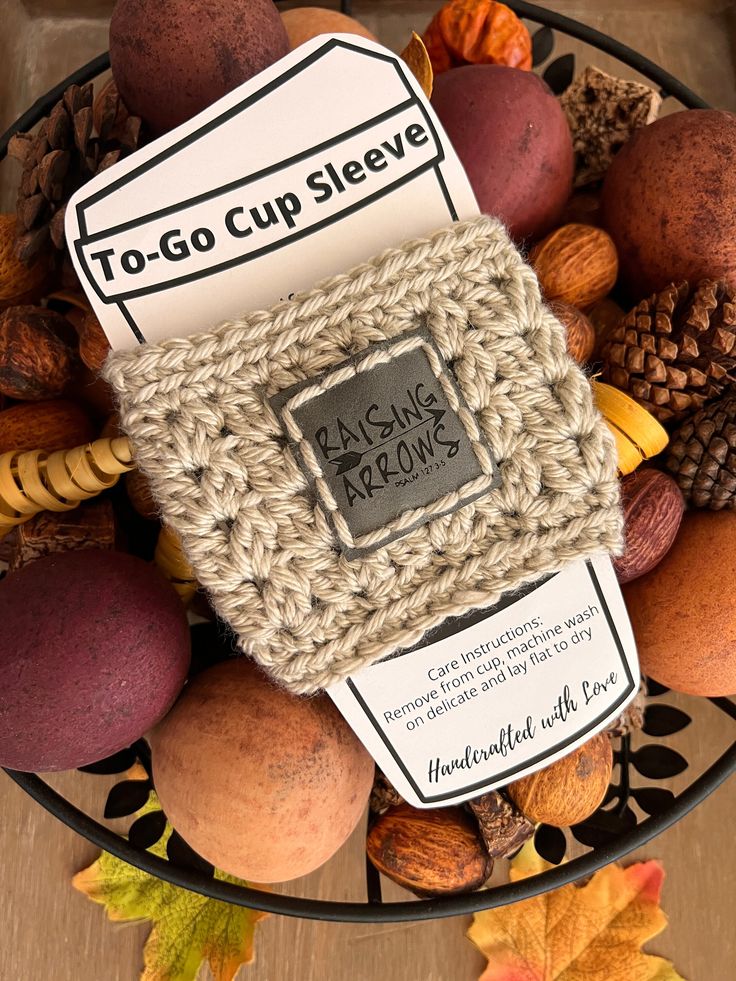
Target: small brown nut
x=502, y=825
x=568, y=791
x=431, y=852
x=19, y=283
x=53, y=425
x=577, y=264
x=94, y=346
x=653, y=507
x=140, y=496
x=578, y=330
x=34, y=362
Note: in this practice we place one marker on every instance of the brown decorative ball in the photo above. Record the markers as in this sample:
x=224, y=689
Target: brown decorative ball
x=171, y=60
x=669, y=200
x=653, y=507
x=512, y=137
x=579, y=331
x=263, y=784
x=35, y=363
x=682, y=613
x=568, y=791
x=304, y=23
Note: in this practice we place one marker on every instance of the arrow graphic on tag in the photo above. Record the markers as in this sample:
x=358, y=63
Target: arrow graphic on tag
x=351, y=459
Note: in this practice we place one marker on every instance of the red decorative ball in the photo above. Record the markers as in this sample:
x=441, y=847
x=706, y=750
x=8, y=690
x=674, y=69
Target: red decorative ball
x=93, y=652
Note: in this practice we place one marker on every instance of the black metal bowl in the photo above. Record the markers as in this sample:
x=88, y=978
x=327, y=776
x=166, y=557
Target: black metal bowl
x=611, y=833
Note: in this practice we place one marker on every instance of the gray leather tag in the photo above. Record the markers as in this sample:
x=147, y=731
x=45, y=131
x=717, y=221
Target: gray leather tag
x=388, y=441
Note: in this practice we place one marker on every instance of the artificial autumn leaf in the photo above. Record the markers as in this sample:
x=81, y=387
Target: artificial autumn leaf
x=416, y=57
x=187, y=928
x=577, y=933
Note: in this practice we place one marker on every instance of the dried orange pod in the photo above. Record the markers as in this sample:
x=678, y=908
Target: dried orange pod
x=477, y=32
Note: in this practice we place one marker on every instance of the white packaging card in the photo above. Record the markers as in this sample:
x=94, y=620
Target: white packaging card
x=510, y=694
x=326, y=158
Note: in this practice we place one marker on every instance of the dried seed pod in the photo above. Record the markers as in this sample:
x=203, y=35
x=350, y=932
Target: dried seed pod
x=94, y=346
x=569, y=790
x=503, y=827
x=51, y=425
x=432, y=852
x=578, y=329
x=384, y=794
x=34, y=362
x=653, y=508
x=91, y=525
x=19, y=283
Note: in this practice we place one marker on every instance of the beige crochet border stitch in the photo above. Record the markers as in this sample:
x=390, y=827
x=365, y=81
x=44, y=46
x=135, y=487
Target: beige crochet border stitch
x=198, y=414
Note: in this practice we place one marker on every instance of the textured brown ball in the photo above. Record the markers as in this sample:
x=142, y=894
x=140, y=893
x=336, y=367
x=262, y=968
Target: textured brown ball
x=264, y=785
x=682, y=613
x=513, y=139
x=568, y=791
x=94, y=650
x=669, y=201
x=304, y=23
x=35, y=363
x=171, y=60
x=653, y=507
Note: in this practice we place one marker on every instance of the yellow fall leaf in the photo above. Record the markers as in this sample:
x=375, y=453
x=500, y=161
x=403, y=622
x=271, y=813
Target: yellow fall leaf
x=577, y=933
x=417, y=58
x=187, y=928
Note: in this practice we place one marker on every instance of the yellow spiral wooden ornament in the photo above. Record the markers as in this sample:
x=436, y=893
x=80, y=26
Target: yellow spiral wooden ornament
x=169, y=557
x=36, y=480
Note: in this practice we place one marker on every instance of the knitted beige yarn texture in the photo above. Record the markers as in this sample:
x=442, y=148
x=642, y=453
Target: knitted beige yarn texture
x=257, y=529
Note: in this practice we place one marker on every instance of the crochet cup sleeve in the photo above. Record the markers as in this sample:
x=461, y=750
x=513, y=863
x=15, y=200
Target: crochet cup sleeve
x=217, y=421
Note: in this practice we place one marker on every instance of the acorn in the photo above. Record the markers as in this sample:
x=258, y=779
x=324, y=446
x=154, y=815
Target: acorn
x=570, y=790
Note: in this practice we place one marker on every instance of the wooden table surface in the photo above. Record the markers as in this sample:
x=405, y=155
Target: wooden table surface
x=51, y=933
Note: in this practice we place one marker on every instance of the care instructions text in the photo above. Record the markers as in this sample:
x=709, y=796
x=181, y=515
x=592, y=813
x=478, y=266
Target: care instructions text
x=503, y=697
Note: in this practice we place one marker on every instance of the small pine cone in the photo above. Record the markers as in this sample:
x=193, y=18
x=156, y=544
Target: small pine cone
x=632, y=717
x=675, y=351
x=61, y=156
x=702, y=455
x=384, y=794
x=502, y=825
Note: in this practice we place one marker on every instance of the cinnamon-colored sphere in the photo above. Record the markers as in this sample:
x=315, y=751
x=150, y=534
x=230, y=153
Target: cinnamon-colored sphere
x=263, y=784
x=682, y=612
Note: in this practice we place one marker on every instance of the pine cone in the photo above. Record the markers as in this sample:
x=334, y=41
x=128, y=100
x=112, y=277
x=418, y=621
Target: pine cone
x=703, y=455
x=62, y=155
x=674, y=352
x=384, y=794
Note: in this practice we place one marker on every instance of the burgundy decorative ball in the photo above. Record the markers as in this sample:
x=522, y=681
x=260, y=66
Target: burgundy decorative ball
x=512, y=137
x=93, y=652
x=172, y=59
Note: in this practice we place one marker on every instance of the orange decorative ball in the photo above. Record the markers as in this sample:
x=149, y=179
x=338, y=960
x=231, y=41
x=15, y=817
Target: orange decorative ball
x=683, y=617
x=304, y=23
x=263, y=784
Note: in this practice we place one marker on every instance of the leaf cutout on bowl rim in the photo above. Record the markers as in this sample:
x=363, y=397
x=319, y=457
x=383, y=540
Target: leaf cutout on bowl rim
x=543, y=43
x=127, y=798
x=658, y=762
x=146, y=830
x=653, y=800
x=664, y=720
x=559, y=73
x=117, y=763
x=550, y=843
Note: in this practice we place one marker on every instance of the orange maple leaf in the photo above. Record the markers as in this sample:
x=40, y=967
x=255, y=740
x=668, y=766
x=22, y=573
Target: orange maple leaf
x=577, y=933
